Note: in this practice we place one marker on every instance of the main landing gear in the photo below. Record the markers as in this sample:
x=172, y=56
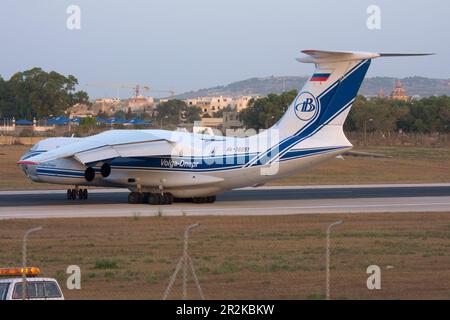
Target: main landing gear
x=80, y=194
x=164, y=198
x=210, y=199
x=158, y=198
x=150, y=198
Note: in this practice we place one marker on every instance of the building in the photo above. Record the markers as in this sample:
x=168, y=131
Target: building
x=210, y=105
x=212, y=122
x=218, y=103
x=110, y=106
x=203, y=103
x=231, y=120
x=81, y=110
x=242, y=102
x=140, y=104
x=106, y=105
x=399, y=93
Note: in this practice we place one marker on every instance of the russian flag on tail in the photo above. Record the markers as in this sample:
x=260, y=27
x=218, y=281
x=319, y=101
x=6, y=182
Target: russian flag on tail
x=321, y=76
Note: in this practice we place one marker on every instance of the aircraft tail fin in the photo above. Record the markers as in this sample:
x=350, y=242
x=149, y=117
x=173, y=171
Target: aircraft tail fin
x=328, y=94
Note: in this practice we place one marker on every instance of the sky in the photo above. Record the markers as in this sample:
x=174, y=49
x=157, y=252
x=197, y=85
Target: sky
x=192, y=44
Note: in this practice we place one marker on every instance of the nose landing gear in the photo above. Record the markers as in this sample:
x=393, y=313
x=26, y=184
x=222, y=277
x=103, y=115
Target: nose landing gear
x=80, y=194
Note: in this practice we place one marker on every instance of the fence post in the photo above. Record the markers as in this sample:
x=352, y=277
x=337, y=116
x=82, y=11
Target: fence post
x=327, y=257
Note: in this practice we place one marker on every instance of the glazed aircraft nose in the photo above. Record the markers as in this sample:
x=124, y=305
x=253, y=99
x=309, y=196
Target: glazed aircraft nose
x=28, y=167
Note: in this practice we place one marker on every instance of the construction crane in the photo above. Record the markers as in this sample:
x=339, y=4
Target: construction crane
x=137, y=88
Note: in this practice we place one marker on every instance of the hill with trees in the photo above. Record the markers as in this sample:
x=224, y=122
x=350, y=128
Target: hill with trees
x=415, y=86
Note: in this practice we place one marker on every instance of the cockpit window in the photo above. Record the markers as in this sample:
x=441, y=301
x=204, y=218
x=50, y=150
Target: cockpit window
x=35, y=147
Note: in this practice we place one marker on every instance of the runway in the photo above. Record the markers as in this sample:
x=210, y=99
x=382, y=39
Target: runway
x=247, y=201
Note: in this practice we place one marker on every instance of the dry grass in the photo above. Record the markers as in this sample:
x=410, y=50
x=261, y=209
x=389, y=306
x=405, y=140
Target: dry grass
x=11, y=177
x=409, y=165
x=277, y=257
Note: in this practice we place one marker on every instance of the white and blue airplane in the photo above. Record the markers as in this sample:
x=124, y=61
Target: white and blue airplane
x=160, y=167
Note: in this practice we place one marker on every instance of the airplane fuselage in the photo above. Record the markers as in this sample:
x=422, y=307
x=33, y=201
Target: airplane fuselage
x=197, y=165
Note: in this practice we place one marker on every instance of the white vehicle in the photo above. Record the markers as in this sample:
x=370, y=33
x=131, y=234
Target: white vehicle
x=37, y=288
x=158, y=166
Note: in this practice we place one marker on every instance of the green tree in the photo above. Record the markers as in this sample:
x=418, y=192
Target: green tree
x=36, y=93
x=80, y=97
x=7, y=105
x=87, y=126
x=144, y=116
x=170, y=111
x=192, y=114
x=219, y=114
x=120, y=114
x=434, y=113
x=102, y=114
x=264, y=112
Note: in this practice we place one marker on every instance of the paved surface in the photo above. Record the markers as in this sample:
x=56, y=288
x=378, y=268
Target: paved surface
x=248, y=201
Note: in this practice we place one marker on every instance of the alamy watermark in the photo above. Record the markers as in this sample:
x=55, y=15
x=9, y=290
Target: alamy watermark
x=374, y=19
x=74, y=280
x=374, y=280
x=191, y=152
x=73, y=22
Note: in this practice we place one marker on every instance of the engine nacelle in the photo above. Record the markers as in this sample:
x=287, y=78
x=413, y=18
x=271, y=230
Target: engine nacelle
x=89, y=174
x=105, y=170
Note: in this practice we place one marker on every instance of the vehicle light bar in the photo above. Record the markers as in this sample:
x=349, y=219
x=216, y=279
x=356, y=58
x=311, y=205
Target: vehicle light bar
x=29, y=271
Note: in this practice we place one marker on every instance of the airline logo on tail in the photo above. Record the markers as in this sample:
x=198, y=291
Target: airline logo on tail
x=306, y=106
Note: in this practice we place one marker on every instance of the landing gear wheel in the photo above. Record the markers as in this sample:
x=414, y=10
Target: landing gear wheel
x=134, y=198
x=197, y=200
x=74, y=194
x=154, y=198
x=167, y=198
x=83, y=194
x=157, y=198
x=145, y=197
x=209, y=199
x=69, y=194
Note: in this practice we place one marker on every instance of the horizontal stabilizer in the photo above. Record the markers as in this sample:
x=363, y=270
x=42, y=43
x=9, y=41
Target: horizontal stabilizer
x=320, y=56
x=387, y=55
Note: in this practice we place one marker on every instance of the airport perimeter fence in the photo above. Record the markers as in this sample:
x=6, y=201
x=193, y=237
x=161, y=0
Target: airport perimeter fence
x=266, y=257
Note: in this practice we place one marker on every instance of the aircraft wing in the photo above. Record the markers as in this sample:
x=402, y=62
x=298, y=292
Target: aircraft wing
x=110, y=145
x=134, y=149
